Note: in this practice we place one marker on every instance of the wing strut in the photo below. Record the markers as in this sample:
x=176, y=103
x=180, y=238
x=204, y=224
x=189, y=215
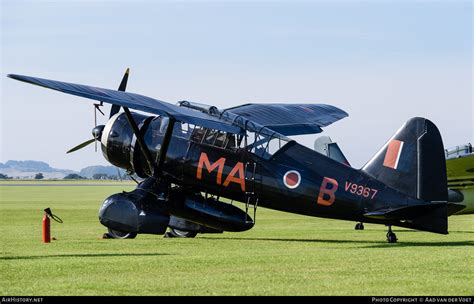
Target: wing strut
x=140, y=140
x=165, y=145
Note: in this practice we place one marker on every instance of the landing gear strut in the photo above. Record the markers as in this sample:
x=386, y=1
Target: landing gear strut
x=391, y=237
x=359, y=226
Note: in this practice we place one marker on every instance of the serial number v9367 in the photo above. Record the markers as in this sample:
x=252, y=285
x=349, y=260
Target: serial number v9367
x=360, y=190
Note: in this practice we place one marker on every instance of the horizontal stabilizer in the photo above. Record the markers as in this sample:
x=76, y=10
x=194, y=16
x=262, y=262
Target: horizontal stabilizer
x=403, y=213
x=427, y=217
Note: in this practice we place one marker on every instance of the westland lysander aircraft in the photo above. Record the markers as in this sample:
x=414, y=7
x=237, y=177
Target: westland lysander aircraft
x=192, y=156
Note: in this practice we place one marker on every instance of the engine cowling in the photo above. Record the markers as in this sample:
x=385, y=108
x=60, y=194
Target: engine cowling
x=120, y=146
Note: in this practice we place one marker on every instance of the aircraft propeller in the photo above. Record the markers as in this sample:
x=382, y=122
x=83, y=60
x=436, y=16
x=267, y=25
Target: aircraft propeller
x=122, y=87
x=96, y=133
x=97, y=130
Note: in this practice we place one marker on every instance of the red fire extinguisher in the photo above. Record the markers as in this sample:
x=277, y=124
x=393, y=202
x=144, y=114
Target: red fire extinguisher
x=46, y=228
x=47, y=224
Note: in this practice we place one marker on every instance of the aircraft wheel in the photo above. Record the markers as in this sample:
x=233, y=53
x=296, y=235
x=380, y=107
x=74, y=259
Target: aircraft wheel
x=391, y=237
x=115, y=234
x=180, y=233
x=359, y=226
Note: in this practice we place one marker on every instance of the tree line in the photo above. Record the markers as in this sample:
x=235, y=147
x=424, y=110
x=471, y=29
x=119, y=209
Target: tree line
x=97, y=176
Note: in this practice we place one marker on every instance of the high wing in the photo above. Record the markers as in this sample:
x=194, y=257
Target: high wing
x=291, y=119
x=133, y=101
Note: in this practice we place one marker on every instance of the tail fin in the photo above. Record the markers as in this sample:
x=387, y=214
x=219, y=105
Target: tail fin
x=326, y=146
x=413, y=162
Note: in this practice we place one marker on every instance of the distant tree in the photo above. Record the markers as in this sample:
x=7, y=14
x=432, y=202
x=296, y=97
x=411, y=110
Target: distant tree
x=39, y=176
x=74, y=176
x=4, y=176
x=100, y=176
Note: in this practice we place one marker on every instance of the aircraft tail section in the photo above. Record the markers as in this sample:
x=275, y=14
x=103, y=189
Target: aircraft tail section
x=413, y=162
x=429, y=217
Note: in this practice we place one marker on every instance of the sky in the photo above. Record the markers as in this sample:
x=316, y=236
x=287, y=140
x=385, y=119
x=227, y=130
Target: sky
x=383, y=62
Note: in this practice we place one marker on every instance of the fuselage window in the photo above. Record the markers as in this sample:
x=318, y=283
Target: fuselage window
x=155, y=132
x=216, y=138
x=198, y=134
x=183, y=130
x=210, y=137
x=264, y=145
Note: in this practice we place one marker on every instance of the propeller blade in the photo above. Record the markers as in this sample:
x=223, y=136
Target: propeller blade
x=97, y=107
x=123, y=83
x=95, y=115
x=115, y=109
x=122, y=87
x=120, y=175
x=80, y=146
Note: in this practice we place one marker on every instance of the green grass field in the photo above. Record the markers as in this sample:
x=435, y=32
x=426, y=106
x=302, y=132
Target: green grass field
x=285, y=254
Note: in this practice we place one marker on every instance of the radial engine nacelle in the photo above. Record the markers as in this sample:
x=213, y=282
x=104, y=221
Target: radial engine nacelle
x=120, y=146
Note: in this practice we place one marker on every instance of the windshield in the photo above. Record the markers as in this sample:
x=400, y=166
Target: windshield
x=257, y=139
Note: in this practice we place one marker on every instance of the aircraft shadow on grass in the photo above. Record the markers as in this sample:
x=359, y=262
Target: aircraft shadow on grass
x=81, y=255
x=427, y=244
x=373, y=244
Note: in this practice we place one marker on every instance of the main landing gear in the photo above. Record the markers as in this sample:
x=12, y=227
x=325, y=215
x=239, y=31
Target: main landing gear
x=115, y=234
x=180, y=233
x=391, y=237
x=359, y=226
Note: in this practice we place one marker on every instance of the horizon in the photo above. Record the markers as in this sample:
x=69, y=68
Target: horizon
x=52, y=167
x=462, y=146
x=30, y=169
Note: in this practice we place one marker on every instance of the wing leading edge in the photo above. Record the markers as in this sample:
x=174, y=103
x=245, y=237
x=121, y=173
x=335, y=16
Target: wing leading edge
x=133, y=101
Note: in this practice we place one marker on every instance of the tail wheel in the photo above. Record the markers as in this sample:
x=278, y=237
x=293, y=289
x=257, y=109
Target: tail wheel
x=391, y=237
x=115, y=234
x=181, y=233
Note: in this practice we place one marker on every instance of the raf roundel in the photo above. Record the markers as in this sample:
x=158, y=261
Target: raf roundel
x=292, y=179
